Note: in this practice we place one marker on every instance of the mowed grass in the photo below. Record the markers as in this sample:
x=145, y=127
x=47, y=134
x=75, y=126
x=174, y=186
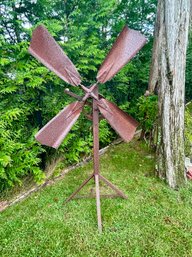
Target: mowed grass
x=153, y=221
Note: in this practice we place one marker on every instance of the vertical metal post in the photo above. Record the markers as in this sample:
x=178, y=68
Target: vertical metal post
x=96, y=156
x=95, y=133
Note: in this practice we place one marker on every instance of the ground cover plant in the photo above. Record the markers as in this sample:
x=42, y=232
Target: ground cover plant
x=154, y=221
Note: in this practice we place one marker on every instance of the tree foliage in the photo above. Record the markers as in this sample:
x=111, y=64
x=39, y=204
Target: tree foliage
x=188, y=130
x=30, y=95
x=188, y=84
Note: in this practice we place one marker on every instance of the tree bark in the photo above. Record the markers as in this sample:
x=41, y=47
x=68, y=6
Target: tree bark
x=154, y=71
x=168, y=72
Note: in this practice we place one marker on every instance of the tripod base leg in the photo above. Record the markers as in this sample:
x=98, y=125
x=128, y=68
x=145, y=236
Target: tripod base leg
x=81, y=186
x=117, y=190
x=97, y=177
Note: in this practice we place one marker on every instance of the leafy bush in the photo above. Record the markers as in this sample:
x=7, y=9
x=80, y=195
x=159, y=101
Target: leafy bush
x=19, y=151
x=188, y=83
x=188, y=130
x=146, y=111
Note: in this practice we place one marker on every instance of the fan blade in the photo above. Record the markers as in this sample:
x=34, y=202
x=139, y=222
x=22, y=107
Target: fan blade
x=44, y=47
x=127, y=44
x=53, y=133
x=120, y=121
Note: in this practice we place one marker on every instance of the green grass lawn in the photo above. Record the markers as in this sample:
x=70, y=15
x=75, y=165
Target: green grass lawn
x=153, y=221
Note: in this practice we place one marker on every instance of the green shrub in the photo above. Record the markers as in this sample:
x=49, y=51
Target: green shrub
x=146, y=111
x=188, y=130
x=19, y=153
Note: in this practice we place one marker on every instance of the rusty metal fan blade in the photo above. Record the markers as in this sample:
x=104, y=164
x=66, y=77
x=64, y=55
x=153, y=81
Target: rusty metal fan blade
x=128, y=43
x=120, y=121
x=53, y=133
x=46, y=50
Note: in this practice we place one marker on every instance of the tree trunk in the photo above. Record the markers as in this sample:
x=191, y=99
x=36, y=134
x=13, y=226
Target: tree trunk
x=154, y=72
x=168, y=73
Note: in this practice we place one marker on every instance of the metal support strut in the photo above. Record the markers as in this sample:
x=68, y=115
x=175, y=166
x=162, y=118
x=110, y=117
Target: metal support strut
x=96, y=156
x=96, y=174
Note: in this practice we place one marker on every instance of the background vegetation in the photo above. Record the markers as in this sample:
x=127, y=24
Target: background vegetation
x=30, y=95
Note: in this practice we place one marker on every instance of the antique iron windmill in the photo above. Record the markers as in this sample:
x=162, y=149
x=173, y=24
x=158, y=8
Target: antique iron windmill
x=46, y=50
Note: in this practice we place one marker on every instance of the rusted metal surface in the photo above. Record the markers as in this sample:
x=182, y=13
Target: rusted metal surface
x=53, y=133
x=120, y=121
x=46, y=50
x=68, y=92
x=95, y=111
x=94, y=196
x=96, y=155
x=128, y=43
